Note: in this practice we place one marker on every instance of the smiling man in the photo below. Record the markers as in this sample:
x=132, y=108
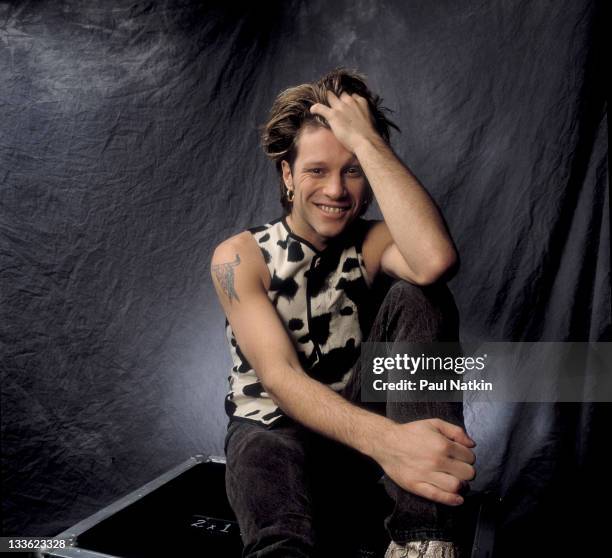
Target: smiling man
x=297, y=295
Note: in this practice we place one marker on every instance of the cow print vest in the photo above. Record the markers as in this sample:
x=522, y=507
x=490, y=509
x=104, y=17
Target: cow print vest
x=322, y=298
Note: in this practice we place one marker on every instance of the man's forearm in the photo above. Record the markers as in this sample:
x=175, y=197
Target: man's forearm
x=414, y=221
x=321, y=409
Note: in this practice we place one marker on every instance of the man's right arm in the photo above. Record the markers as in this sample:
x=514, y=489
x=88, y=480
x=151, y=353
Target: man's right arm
x=429, y=457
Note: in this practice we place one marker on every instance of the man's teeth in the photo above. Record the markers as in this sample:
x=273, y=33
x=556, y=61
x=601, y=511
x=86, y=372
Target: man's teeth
x=330, y=209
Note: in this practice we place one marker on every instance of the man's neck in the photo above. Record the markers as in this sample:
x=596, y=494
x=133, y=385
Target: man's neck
x=310, y=235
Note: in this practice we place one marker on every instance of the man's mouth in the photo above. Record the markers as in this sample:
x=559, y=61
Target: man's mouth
x=333, y=209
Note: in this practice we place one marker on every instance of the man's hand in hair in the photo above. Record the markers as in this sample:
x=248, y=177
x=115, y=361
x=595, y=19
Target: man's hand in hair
x=349, y=117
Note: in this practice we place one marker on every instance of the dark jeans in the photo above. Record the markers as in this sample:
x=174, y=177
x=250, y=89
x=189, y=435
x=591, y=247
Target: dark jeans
x=287, y=483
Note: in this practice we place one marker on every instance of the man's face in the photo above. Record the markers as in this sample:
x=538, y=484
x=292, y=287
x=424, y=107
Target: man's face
x=328, y=183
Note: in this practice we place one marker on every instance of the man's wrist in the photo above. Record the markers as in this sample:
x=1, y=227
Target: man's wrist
x=371, y=434
x=367, y=143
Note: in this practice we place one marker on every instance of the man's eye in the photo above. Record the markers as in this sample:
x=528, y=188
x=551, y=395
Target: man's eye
x=354, y=170
x=315, y=171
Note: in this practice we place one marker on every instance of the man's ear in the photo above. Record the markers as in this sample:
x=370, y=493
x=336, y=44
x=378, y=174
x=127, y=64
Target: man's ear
x=287, y=177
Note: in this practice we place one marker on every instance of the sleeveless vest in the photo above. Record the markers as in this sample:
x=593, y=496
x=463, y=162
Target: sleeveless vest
x=322, y=298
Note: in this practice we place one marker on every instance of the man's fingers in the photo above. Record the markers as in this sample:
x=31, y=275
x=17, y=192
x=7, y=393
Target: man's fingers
x=460, y=452
x=334, y=101
x=436, y=494
x=454, y=432
x=458, y=469
x=332, y=98
x=446, y=482
x=320, y=109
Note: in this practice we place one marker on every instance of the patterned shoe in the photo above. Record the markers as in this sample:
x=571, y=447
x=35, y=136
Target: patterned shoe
x=422, y=549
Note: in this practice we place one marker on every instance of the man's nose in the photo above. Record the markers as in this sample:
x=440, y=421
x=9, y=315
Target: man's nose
x=334, y=187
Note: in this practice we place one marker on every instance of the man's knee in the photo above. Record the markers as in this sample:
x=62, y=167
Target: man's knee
x=408, y=294
x=421, y=314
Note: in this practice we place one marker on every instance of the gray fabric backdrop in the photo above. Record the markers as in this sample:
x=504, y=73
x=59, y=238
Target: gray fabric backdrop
x=129, y=149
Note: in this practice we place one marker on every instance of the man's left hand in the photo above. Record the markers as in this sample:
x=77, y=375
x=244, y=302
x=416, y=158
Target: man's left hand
x=349, y=118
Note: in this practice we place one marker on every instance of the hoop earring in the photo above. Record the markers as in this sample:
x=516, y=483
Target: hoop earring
x=290, y=195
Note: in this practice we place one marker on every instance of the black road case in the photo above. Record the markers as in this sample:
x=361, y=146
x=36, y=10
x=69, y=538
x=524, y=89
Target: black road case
x=185, y=512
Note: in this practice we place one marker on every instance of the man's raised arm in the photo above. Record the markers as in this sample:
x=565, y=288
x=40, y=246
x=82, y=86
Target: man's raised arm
x=422, y=250
x=404, y=451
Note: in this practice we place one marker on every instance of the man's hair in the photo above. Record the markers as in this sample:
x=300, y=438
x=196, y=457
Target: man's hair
x=291, y=112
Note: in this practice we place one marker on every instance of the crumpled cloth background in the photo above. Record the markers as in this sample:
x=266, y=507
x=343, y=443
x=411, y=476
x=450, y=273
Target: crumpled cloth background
x=129, y=149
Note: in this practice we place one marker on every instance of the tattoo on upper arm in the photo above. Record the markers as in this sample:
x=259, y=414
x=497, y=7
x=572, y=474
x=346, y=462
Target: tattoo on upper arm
x=225, y=275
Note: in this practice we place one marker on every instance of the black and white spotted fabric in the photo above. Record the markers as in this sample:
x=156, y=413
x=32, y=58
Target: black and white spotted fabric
x=322, y=297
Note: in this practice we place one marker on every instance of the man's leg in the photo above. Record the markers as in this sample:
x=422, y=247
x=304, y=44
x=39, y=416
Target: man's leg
x=268, y=488
x=415, y=314
x=293, y=491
